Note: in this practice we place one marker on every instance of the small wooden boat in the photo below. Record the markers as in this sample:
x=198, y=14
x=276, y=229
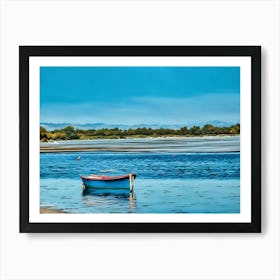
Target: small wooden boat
x=109, y=182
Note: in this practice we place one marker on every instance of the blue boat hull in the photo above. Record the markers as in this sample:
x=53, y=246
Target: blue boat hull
x=99, y=184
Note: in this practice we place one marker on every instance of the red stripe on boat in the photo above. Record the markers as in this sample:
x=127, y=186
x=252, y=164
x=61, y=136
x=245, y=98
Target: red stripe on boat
x=106, y=178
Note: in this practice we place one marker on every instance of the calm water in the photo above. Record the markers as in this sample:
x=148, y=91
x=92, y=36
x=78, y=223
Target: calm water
x=173, y=176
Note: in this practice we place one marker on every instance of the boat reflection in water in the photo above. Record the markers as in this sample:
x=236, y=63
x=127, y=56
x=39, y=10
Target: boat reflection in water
x=107, y=199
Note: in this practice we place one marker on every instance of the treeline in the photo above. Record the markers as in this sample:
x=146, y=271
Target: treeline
x=70, y=133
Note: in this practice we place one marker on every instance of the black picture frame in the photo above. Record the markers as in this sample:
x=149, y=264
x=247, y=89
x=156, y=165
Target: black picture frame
x=254, y=52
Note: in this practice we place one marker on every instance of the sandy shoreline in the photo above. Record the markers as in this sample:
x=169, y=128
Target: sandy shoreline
x=46, y=210
x=132, y=145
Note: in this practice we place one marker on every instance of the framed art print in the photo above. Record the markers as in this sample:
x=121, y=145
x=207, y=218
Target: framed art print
x=140, y=138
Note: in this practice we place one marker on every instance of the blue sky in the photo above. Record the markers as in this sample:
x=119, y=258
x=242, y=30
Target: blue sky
x=133, y=95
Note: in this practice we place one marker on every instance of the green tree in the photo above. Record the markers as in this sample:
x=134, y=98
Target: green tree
x=131, y=132
x=195, y=130
x=70, y=133
x=184, y=131
x=235, y=129
x=44, y=135
x=209, y=129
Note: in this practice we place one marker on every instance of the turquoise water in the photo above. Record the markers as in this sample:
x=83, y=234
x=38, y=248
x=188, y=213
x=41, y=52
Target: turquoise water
x=169, y=180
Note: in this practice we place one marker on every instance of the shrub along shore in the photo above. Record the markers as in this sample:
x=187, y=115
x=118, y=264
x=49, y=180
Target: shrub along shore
x=71, y=133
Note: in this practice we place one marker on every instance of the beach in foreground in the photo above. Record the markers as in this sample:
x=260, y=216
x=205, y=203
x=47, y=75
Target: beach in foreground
x=45, y=210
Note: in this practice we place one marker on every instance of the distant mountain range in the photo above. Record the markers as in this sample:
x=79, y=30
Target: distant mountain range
x=53, y=126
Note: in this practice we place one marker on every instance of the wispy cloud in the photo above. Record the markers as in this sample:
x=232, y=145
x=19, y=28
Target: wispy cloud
x=148, y=110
